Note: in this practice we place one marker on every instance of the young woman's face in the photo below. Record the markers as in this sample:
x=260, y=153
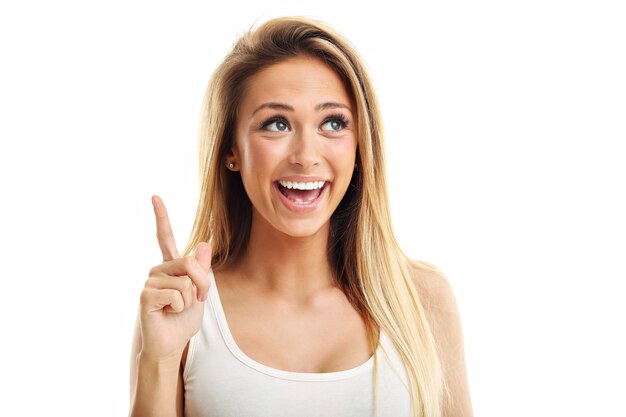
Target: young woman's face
x=295, y=144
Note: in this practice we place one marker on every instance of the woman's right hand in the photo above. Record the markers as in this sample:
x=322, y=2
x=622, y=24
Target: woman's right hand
x=172, y=301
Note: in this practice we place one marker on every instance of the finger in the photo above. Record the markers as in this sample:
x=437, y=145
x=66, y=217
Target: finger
x=164, y=230
x=168, y=299
x=183, y=285
x=202, y=255
x=190, y=267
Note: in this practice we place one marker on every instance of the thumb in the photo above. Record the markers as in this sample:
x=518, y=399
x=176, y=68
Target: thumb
x=203, y=256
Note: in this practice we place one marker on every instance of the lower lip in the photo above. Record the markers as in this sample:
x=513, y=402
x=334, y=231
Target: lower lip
x=301, y=208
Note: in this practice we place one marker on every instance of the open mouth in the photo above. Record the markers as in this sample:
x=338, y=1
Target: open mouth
x=301, y=193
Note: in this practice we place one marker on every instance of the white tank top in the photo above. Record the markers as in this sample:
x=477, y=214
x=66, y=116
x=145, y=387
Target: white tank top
x=222, y=381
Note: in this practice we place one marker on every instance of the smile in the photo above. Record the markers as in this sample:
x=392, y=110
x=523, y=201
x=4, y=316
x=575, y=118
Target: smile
x=298, y=195
x=292, y=185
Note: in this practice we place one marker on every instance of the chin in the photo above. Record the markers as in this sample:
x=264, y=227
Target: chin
x=275, y=222
x=303, y=229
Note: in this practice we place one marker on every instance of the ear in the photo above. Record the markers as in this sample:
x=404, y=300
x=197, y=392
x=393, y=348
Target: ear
x=231, y=159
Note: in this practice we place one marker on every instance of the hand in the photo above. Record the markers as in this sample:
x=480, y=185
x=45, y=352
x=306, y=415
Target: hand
x=172, y=301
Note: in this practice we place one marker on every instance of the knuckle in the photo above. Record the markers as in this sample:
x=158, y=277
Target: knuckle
x=178, y=303
x=188, y=262
x=153, y=281
x=187, y=283
x=144, y=297
x=154, y=271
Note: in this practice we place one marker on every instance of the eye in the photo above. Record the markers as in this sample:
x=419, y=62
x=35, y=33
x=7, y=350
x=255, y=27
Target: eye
x=335, y=123
x=275, y=124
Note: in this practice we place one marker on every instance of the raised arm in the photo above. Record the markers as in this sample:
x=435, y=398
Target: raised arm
x=170, y=313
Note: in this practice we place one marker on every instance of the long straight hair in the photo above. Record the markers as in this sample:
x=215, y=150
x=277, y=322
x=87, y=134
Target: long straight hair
x=368, y=264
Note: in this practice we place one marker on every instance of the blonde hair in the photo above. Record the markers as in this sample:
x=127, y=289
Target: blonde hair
x=368, y=263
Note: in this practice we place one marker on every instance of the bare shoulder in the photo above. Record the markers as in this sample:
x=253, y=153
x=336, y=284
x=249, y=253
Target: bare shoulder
x=440, y=308
x=434, y=289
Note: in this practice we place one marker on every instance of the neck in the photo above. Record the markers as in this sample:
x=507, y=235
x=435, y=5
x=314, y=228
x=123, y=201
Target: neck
x=295, y=267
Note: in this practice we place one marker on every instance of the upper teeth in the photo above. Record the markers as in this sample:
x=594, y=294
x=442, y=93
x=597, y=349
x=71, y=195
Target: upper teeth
x=314, y=185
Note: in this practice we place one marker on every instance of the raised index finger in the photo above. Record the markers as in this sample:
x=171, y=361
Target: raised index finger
x=164, y=230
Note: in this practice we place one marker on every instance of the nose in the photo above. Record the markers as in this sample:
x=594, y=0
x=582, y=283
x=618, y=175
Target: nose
x=305, y=149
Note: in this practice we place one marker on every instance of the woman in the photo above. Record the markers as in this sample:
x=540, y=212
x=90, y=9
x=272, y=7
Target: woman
x=303, y=304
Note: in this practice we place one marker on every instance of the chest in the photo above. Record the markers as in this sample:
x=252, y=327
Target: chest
x=221, y=381
x=327, y=335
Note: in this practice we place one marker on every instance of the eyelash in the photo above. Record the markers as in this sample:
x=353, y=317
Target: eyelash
x=340, y=117
x=343, y=120
x=271, y=120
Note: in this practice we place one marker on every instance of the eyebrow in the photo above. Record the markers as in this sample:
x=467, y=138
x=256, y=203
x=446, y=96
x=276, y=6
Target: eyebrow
x=287, y=107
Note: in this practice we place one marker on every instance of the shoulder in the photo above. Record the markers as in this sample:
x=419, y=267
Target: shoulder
x=440, y=308
x=434, y=289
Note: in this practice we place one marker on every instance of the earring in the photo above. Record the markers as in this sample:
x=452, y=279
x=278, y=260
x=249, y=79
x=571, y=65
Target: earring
x=231, y=165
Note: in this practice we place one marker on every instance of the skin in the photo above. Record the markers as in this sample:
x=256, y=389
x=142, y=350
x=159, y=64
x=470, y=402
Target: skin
x=443, y=318
x=284, y=280
x=308, y=141
x=295, y=120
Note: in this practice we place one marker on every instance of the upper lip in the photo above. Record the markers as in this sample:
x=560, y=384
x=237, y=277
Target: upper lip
x=301, y=178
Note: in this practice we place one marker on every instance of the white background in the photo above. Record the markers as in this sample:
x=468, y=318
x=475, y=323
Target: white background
x=505, y=124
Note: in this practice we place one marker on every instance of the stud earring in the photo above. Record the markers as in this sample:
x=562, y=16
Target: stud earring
x=231, y=165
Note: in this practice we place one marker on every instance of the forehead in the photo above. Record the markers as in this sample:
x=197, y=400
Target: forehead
x=299, y=81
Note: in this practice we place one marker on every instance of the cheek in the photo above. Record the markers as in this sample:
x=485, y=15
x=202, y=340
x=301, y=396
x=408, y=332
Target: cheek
x=258, y=156
x=259, y=162
x=342, y=154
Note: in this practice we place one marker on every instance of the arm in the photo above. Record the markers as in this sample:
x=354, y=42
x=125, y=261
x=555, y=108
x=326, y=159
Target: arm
x=442, y=314
x=170, y=313
x=156, y=387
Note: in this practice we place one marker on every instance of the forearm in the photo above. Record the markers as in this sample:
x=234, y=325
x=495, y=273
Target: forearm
x=156, y=389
